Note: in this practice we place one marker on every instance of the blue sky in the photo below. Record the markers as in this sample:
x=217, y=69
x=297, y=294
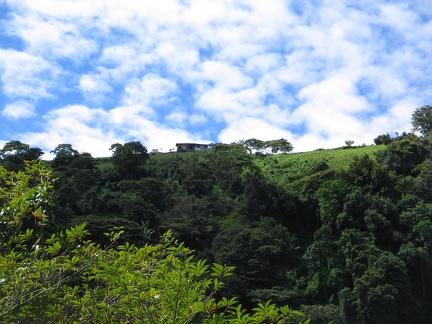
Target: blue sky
x=318, y=73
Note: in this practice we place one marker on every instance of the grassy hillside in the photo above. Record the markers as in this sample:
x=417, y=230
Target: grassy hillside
x=283, y=168
x=288, y=168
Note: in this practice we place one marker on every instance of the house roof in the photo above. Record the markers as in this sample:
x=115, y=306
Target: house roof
x=177, y=144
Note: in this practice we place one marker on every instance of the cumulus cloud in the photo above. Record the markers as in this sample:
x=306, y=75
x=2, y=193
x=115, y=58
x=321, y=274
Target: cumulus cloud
x=252, y=128
x=316, y=73
x=19, y=109
x=24, y=75
x=53, y=38
x=94, y=88
x=150, y=89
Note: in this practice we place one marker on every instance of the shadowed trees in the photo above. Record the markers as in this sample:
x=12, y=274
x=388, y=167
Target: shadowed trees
x=129, y=159
x=14, y=153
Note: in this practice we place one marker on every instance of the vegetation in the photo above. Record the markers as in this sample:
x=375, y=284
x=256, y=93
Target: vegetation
x=422, y=120
x=343, y=235
x=63, y=277
x=273, y=146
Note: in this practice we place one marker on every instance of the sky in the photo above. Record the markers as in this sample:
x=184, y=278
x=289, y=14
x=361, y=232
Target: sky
x=317, y=73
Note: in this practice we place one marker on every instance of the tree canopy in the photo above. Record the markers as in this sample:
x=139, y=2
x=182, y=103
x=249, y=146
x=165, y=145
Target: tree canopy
x=274, y=146
x=421, y=119
x=14, y=153
x=129, y=158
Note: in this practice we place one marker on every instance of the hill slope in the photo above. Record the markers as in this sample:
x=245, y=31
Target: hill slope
x=286, y=168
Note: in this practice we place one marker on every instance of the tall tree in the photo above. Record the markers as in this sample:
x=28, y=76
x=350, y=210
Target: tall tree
x=129, y=158
x=14, y=153
x=65, y=154
x=14, y=147
x=261, y=252
x=275, y=146
x=280, y=145
x=421, y=119
x=252, y=144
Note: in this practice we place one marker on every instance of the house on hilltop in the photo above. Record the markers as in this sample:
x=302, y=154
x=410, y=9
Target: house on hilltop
x=192, y=147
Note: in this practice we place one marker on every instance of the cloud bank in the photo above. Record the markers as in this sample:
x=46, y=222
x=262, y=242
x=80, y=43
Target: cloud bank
x=93, y=73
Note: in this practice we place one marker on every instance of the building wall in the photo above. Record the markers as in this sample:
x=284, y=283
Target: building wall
x=190, y=147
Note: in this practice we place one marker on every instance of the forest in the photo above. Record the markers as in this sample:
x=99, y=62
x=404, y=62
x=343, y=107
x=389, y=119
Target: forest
x=342, y=235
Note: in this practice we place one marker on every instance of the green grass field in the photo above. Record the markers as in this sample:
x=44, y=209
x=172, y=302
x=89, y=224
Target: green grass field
x=288, y=168
x=335, y=158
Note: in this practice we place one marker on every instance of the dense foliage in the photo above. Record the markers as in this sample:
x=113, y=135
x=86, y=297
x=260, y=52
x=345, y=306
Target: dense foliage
x=343, y=242
x=421, y=119
x=63, y=277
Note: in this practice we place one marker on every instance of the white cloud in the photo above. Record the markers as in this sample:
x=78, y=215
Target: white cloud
x=150, y=89
x=53, y=38
x=204, y=12
x=224, y=75
x=25, y=75
x=179, y=58
x=176, y=118
x=94, y=88
x=19, y=109
x=118, y=63
x=179, y=119
x=135, y=126
x=78, y=125
x=143, y=97
x=398, y=17
x=197, y=119
x=252, y=128
x=51, y=8
x=262, y=63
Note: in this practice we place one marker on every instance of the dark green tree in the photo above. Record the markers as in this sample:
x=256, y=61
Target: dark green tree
x=129, y=159
x=14, y=153
x=274, y=146
x=323, y=314
x=349, y=143
x=193, y=173
x=64, y=155
x=84, y=162
x=14, y=148
x=419, y=266
x=383, y=139
x=76, y=190
x=252, y=144
x=403, y=155
x=324, y=261
x=226, y=162
x=331, y=199
x=382, y=294
x=380, y=219
x=261, y=252
x=280, y=145
x=421, y=119
x=193, y=220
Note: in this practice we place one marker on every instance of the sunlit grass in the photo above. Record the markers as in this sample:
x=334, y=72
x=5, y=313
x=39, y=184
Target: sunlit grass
x=287, y=168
